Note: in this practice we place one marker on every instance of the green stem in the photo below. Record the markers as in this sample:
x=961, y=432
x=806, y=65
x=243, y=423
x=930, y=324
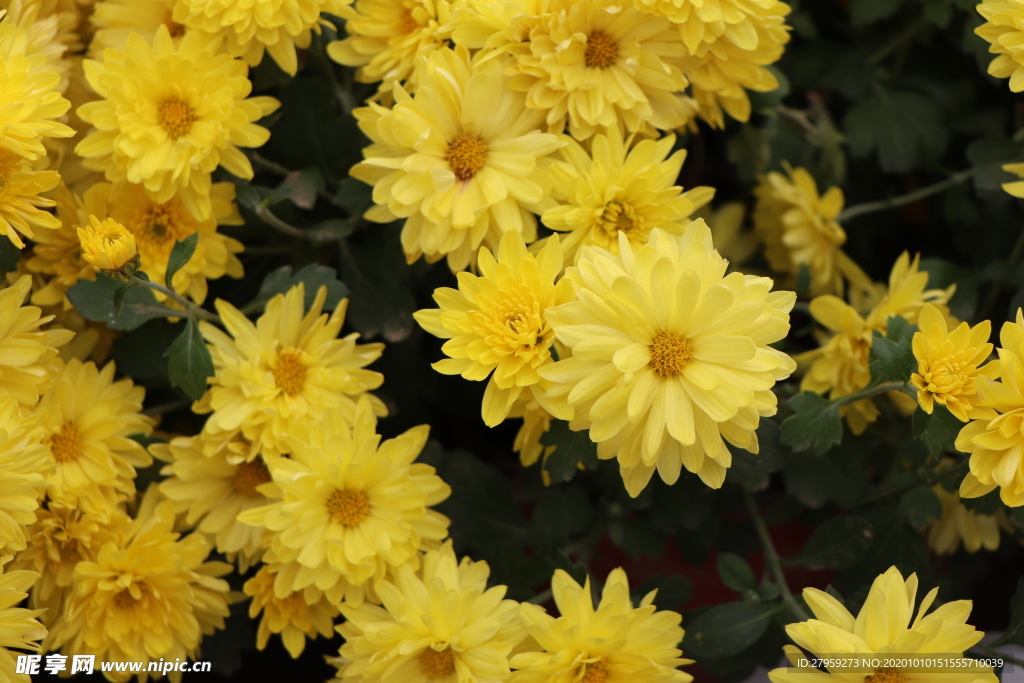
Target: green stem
x=314, y=236
x=190, y=308
x=869, y=392
x=909, y=198
x=772, y=557
x=898, y=41
x=997, y=287
x=541, y=598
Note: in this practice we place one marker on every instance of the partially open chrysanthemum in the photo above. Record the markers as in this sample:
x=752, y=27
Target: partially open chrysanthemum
x=115, y=20
x=107, y=245
x=440, y=623
x=496, y=323
x=597, y=65
x=19, y=629
x=295, y=617
x=351, y=508
x=285, y=370
x=949, y=362
x=614, y=642
x=670, y=356
x=212, y=492
x=458, y=160
x=20, y=187
x=170, y=114
x=87, y=419
x=615, y=189
x=151, y=596
x=959, y=525
x=23, y=466
x=1004, y=29
x=883, y=626
x=250, y=28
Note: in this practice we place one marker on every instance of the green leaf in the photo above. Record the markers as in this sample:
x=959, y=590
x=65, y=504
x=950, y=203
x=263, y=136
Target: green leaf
x=752, y=469
x=762, y=101
x=181, y=253
x=638, y=537
x=839, y=478
x=303, y=187
x=189, y=363
x=673, y=591
x=735, y=572
x=560, y=512
x=94, y=300
x=248, y=196
x=1014, y=633
x=119, y=295
x=803, y=279
x=276, y=196
x=901, y=126
x=894, y=542
x=920, y=505
x=938, y=431
x=140, y=353
x=892, y=358
x=836, y=543
x=814, y=423
x=353, y=195
x=864, y=12
x=572, y=449
x=725, y=630
x=10, y=255
x=381, y=304
x=313, y=275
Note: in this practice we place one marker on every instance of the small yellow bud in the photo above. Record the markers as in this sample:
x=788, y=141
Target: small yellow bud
x=108, y=245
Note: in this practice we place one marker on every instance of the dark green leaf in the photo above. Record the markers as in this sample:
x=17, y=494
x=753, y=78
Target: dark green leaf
x=637, y=537
x=94, y=300
x=938, y=431
x=989, y=504
x=560, y=513
x=814, y=423
x=866, y=11
x=1014, y=633
x=189, y=363
x=181, y=253
x=836, y=543
x=725, y=630
x=314, y=276
x=752, y=469
x=839, y=477
x=920, y=505
x=572, y=449
x=303, y=187
x=381, y=304
x=803, y=279
x=894, y=542
x=762, y=101
x=276, y=196
x=892, y=358
x=353, y=195
x=119, y=295
x=673, y=591
x=901, y=126
x=735, y=572
x=248, y=196
x=10, y=255
x=140, y=353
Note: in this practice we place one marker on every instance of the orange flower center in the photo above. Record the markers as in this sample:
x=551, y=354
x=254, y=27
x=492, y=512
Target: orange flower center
x=409, y=23
x=670, y=353
x=124, y=599
x=467, y=154
x=160, y=225
x=348, y=508
x=602, y=50
x=595, y=672
x=437, y=663
x=174, y=28
x=66, y=444
x=176, y=117
x=248, y=476
x=616, y=217
x=886, y=676
x=289, y=373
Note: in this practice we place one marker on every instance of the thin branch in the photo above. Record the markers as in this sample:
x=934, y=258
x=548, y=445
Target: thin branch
x=316, y=236
x=189, y=307
x=772, y=558
x=909, y=198
x=869, y=392
x=801, y=119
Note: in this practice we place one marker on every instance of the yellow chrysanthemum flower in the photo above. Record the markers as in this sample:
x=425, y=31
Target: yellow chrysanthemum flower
x=536, y=421
x=295, y=617
x=616, y=641
x=948, y=364
x=20, y=187
x=107, y=245
x=152, y=596
x=669, y=355
x=170, y=114
x=285, y=370
x=1015, y=188
x=28, y=354
x=350, y=507
x=616, y=189
x=87, y=418
x=212, y=492
x=496, y=322
x=61, y=538
x=1004, y=29
x=598, y=65
x=19, y=629
x=386, y=36
x=51, y=33
x=735, y=244
x=438, y=623
x=960, y=525
x=458, y=161
x=496, y=26
x=115, y=20
x=841, y=365
x=799, y=228
x=884, y=626
x=23, y=464
x=250, y=28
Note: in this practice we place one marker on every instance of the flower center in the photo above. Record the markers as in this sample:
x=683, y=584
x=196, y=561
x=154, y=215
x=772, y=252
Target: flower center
x=66, y=444
x=616, y=217
x=467, y=154
x=670, y=353
x=950, y=376
x=514, y=323
x=248, y=476
x=438, y=663
x=174, y=28
x=124, y=599
x=595, y=672
x=176, y=117
x=289, y=373
x=409, y=23
x=348, y=508
x=602, y=50
x=160, y=225
x=886, y=676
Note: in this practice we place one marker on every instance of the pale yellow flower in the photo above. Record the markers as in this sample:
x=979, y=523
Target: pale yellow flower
x=295, y=616
x=959, y=525
x=19, y=629
x=1004, y=29
x=20, y=200
x=23, y=467
x=115, y=20
x=107, y=245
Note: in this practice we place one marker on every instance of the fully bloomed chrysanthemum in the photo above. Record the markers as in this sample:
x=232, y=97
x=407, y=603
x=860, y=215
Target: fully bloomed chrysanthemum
x=250, y=28
x=19, y=629
x=959, y=525
x=351, y=508
x=440, y=623
x=601, y=64
x=614, y=189
x=295, y=617
x=20, y=187
x=670, y=356
x=212, y=492
x=151, y=596
x=458, y=161
x=169, y=115
x=496, y=324
x=614, y=642
x=115, y=20
x=23, y=466
x=87, y=419
x=286, y=370
x=885, y=625
x=1004, y=29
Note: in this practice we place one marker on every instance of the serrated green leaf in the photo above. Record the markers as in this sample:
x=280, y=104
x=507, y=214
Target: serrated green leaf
x=572, y=449
x=725, y=630
x=181, y=253
x=814, y=423
x=673, y=591
x=892, y=357
x=94, y=300
x=938, y=431
x=189, y=362
x=838, y=478
x=10, y=255
x=313, y=275
x=381, y=304
x=119, y=295
x=753, y=469
x=560, y=512
x=836, y=543
x=735, y=572
x=901, y=126
x=920, y=505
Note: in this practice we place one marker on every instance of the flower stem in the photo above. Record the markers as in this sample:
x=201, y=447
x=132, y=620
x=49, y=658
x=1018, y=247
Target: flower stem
x=909, y=198
x=315, y=236
x=772, y=558
x=190, y=308
x=870, y=391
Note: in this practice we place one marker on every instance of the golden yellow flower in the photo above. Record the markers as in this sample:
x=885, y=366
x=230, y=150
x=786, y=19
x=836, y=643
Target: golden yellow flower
x=497, y=326
x=284, y=371
x=20, y=202
x=296, y=616
x=496, y=26
x=87, y=418
x=884, y=626
x=438, y=623
x=1004, y=29
x=669, y=355
x=212, y=492
x=349, y=508
x=250, y=28
x=536, y=421
x=458, y=161
x=19, y=628
x=616, y=189
x=52, y=33
x=23, y=466
x=170, y=114
x=598, y=65
x=107, y=245
x=616, y=641
x=1015, y=188
x=150, y=596
x=799, y=228
x=960, y=525
x=115, y=20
